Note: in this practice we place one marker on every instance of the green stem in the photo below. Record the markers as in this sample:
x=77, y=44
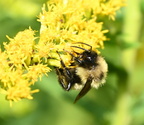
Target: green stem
x=132, y=23
x=131, y=29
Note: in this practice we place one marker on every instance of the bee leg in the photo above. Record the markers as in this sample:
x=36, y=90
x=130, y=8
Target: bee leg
x=65, y=78
x=76, y=58
x=84, y=90
x=64, y=75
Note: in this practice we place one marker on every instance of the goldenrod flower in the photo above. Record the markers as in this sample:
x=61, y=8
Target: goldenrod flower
x=63, y=24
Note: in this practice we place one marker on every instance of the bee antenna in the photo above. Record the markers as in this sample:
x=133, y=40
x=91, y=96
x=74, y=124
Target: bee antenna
x=81, y=48
x=85, y=44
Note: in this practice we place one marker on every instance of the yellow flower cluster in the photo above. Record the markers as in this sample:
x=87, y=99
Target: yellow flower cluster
x=63, y=23
x=67, y=22
x=17, y=69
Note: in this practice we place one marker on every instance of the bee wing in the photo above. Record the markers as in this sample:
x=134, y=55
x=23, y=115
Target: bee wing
x=84, y=90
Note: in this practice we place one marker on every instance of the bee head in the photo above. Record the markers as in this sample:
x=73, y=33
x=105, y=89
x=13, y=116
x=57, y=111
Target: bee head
x=86, y=59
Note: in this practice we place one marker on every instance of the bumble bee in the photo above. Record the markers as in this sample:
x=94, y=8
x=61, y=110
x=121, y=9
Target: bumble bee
x=87, y=70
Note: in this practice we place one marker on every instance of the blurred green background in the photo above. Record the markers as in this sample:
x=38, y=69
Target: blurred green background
x=119, y=102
